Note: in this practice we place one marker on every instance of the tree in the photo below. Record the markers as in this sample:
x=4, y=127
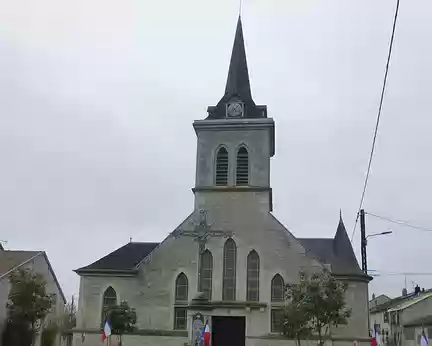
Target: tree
x=28, y=302
x=296, y=323
x=317, y=303
x=295, y=315
x=122, y=319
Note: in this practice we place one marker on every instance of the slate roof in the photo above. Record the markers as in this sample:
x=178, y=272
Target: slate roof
x=124, y=259
x=337, y=252
x=409, y=302
x=238, y=85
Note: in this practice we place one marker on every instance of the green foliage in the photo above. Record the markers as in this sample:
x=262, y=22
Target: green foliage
x=122, y=318
x=315, y=304
x=28, y=301
x=296, y=321
x=49, y=335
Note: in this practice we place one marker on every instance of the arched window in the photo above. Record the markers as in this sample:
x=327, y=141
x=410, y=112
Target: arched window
x=222, y=167
x=181, y=298
x=181, y=288
x=253, y=268
x=277, y=289
x=229, y=270
x=108, y=301
x=242, y=172
x=206, y=273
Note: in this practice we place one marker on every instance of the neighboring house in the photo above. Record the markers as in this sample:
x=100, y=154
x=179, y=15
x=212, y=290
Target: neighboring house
x=404, y=317
x=228, y=262
x=398, y=320
x=413, y=330
x=381, y=299
x=38, y=262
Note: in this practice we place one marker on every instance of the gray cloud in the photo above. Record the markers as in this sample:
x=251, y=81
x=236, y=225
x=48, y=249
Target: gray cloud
x=97, y=101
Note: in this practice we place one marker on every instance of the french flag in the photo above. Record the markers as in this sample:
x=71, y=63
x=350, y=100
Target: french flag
x=423, y=340
x=206, y=335
x=376, y=336
x=106, y=332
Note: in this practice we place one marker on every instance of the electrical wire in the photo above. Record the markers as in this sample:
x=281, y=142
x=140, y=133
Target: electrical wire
x=400, y=222
x=379, y=273
x=378, y=118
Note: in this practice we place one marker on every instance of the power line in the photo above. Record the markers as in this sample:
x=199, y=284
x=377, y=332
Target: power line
x=378, y=117
x=400, y=222
x=379, y=273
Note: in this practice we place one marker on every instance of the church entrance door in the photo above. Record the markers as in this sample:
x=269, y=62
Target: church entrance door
x=228, y=331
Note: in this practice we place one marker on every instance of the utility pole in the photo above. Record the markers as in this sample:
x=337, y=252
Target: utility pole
x=363, y=241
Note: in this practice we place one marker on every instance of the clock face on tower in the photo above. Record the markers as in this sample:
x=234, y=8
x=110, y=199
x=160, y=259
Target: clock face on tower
x=234, y=109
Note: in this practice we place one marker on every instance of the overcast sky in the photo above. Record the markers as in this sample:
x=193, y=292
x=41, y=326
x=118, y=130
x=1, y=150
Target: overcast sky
x=97, y=100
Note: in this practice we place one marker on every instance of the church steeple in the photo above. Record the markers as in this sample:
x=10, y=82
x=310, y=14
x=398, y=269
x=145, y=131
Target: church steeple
x=237, y=101
x=238, y=75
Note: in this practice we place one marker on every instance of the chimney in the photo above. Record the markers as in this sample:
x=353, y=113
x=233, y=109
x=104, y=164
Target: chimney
x=404, y=292
x=373, y=296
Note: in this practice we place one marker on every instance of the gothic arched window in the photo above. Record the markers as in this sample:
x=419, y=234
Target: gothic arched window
x=181, y=288
x=222, y=167
x=229, y=270
x=108, y=301
x=242, y=172
x=181, y=298
x=277, y=289
x=253, y=269
x=206, y=273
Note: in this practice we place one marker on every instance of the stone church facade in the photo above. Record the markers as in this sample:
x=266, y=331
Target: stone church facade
x=228, y=261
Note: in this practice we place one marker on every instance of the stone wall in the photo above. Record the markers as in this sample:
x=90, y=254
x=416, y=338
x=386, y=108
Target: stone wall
x=147, y=340
x=129, y=340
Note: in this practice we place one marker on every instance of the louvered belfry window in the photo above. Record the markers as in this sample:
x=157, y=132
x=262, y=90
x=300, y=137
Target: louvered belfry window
x=242, y=172
x=229, y=270
x=222, y=167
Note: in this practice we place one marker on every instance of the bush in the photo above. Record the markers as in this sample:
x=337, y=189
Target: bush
x=49, y=335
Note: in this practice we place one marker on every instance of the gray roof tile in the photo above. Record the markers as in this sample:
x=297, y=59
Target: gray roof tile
x=337, y=252
x=125, y=258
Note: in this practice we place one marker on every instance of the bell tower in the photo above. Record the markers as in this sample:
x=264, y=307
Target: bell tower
x=235, y=142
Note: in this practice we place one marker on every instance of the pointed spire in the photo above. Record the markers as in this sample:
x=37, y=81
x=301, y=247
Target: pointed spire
x=343, y=249
x=237, y=89
x=238, y=76
x=341, y=237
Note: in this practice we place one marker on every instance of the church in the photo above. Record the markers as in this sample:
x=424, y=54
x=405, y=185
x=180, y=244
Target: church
x=227, y=263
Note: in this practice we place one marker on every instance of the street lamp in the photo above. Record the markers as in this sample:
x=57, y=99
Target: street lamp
x=377, y=234
x=363, y=238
